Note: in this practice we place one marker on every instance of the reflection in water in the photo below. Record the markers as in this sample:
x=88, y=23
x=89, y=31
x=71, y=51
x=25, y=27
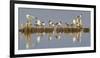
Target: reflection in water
x=77, y=37
x=49, y=36
x=38, y=39
x=39, y=35
x=28, y=37
x=58, y=36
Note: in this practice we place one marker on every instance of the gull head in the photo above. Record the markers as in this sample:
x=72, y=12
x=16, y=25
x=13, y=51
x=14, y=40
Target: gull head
x=27, y=16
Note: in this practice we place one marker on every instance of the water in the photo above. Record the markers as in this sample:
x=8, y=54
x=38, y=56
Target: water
x=53, y=40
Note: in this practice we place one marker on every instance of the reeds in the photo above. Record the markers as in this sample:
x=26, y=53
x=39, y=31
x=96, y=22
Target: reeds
x=50, y=30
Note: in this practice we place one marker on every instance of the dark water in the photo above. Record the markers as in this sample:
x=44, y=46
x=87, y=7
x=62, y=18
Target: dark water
x=53, y=40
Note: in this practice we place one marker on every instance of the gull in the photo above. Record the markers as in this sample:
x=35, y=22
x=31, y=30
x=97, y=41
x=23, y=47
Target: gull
x=43, y=24
x=38, y=23
x=51, y=23
x=59, y=23
x=74, y=23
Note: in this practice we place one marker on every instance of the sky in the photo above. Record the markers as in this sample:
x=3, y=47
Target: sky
x=53, y=14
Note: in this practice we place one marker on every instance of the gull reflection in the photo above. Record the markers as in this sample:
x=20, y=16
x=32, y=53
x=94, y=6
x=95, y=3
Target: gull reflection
x=58, y=36
x=77, y=37
x=28, y=40
x=38, y=37
x=50, y=36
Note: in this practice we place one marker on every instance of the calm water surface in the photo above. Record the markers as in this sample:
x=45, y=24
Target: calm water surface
x=50, y=40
